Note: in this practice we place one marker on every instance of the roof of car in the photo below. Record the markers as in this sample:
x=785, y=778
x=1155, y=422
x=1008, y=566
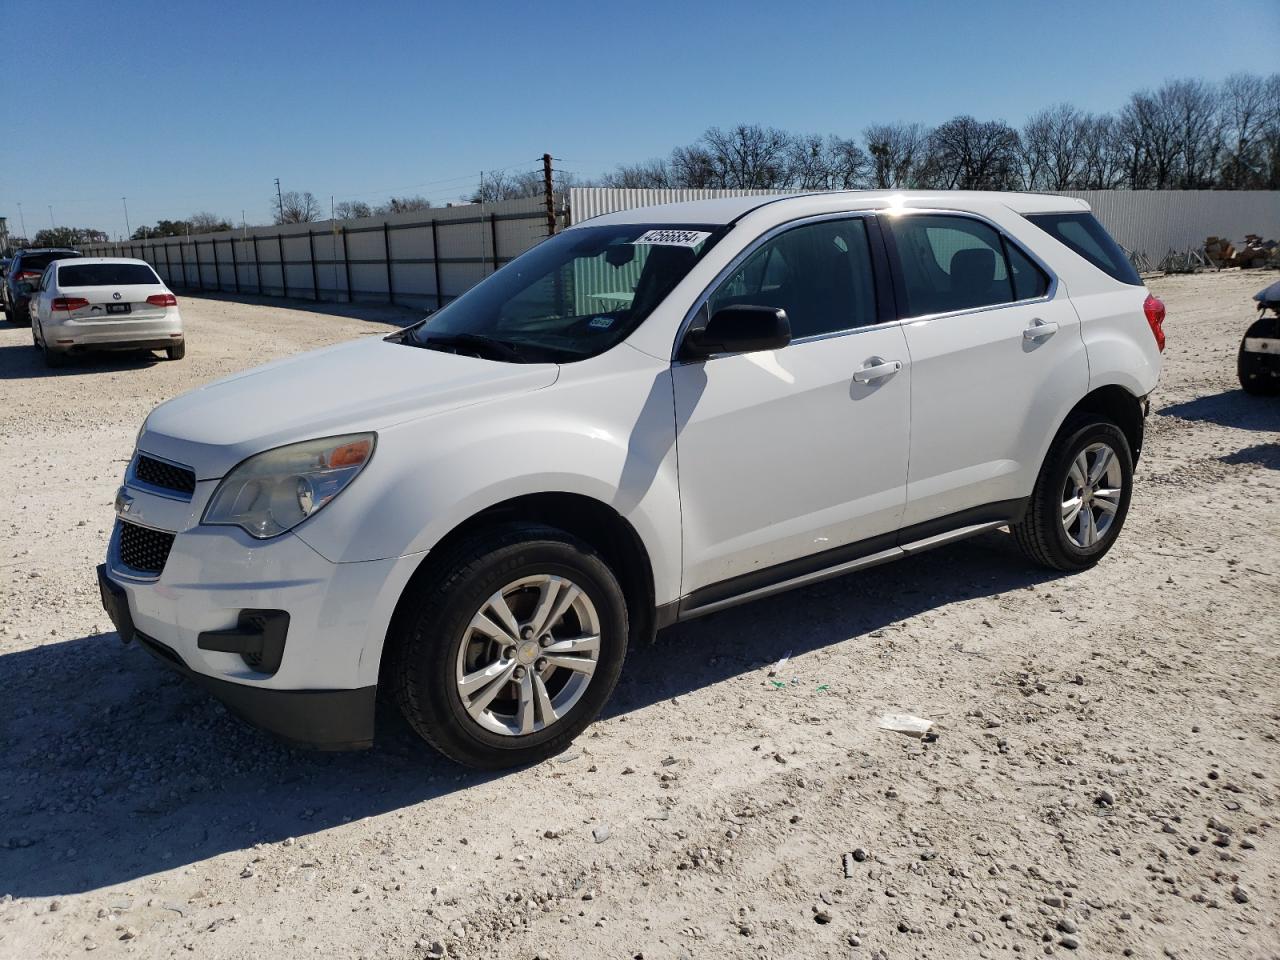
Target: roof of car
x=80, y=260
x=719, y=210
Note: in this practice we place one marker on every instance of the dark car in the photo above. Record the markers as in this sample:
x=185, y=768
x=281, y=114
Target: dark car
x=1258, y=362
x=22, y=276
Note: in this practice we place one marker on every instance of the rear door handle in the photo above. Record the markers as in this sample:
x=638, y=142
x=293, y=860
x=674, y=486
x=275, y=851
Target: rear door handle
x=1040, y=329
x=877, y=368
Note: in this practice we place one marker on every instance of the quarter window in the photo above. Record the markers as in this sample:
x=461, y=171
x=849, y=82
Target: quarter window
x=1029, y=281
x=954, y=263
x=820, y=273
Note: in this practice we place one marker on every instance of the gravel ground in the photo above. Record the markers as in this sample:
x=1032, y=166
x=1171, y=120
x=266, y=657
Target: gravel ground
x=1104, y=779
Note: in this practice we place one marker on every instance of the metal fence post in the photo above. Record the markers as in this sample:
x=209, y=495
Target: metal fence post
x=182, y=258
x=346, y=264
x=493, y=233
x=195, y=248
x=315, y=279
x=235, y=264
x=284, y=274
x=386, y=246
x=435, y=261
x=257, y=268
x=217, y=271
x=168, y=265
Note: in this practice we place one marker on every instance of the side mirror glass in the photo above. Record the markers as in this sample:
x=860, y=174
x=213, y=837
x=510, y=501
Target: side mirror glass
x=739, y=329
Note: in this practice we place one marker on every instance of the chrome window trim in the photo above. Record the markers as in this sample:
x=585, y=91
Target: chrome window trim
x=742, y=256
x=131, y=478
x=1009, y=238
x=701, y=301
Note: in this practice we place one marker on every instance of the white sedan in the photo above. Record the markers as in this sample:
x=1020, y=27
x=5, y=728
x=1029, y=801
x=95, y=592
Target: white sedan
x=104, y=303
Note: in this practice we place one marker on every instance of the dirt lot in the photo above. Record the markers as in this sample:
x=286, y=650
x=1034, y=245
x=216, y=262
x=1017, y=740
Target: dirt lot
x=1105, y=778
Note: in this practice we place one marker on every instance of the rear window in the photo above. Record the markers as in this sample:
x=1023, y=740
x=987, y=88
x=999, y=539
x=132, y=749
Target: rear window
x=1085, y=235
x=106, y=275
x=38, y=261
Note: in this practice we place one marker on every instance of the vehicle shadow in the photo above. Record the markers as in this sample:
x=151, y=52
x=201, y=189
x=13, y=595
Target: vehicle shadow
x=1263, y=454
x=1233, y=408
x=24, y=362
x=114, y=768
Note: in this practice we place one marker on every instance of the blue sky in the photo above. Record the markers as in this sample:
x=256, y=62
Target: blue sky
x=198, y=106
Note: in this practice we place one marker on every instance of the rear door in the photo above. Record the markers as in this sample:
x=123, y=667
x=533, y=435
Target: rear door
x=997, y=361
x=787, y=457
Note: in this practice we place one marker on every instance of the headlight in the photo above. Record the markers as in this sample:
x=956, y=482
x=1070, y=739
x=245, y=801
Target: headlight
x=275, y=491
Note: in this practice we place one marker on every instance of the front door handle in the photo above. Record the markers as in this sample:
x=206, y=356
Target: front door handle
x=1040, y=329
x=876, y=368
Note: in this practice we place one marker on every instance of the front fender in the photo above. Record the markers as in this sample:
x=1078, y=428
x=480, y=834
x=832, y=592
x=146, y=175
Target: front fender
x=612, y=440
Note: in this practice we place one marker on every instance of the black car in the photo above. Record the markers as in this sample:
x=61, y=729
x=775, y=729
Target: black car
x=1258, y=362
x=22, y=276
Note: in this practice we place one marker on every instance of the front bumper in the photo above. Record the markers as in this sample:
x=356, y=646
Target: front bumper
x=316, y=687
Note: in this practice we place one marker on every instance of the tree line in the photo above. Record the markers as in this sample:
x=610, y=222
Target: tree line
x=1186, y=135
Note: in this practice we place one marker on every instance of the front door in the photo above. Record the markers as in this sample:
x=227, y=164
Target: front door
x=787, y=457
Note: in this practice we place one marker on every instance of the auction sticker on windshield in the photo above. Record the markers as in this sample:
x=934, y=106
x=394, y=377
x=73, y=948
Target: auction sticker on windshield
x=673, y=238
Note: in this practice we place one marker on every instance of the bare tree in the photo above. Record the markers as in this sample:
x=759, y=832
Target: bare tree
x=297, y=207
x=693, y=166
x=896, y=150
x=649, y=174
x=205, y=222
x=402, y=205
x=1270, y=137
x=1052, y=147
x=1102, y=153
x=748, y=156
x=969, y=154
x=1193, y=115
x=1245, y=115
x=352, y=209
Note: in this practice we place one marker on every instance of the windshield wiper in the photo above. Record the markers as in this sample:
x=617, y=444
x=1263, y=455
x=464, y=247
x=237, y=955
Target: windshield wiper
x=474, y=342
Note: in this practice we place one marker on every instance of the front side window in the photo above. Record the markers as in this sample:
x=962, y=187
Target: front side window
x=819, y=273
x=573, y=296
x=949, y=263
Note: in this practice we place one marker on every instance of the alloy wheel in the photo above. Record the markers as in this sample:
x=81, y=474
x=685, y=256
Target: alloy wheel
x=1091, y=495
x=528, y=655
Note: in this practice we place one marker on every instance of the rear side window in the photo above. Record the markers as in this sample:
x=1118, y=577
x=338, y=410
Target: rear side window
x=820, y=273
x=38, y=261
x=1086, y=236
x=106, y=275
x=949, y=263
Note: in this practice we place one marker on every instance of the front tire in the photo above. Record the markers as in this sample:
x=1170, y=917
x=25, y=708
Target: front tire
x=1081, y=497
x=509, y=646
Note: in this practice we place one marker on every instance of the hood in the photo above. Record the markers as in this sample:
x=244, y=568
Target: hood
x=367, y=384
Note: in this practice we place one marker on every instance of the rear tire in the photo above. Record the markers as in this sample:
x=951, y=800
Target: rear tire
x=178, y=352
x=1259, y=373
x=1050, y=533
x=435, y=643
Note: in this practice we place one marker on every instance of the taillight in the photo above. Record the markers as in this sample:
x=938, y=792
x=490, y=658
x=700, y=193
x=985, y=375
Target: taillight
x=162, y=300
x=27, y=275
x=1153, y=307
x=69, y=303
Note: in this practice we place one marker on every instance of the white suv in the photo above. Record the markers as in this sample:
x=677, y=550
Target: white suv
x=651, y=416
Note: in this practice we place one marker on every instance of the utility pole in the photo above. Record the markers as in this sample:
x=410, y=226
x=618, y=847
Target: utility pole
x=127, y=232
x=280, y=199
x=52, y=225
x=548, y=194
x=23, y=220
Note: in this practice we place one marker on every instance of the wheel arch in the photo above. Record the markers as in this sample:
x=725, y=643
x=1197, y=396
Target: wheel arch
x=1119, y=405
x=588, y=519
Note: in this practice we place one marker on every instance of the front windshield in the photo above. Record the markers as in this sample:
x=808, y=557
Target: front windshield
x=573, y=296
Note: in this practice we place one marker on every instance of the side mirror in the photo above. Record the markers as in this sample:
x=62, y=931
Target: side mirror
x=742, y=329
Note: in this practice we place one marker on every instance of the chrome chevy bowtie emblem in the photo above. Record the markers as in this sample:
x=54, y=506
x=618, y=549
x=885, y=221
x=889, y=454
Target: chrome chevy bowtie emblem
x=124, y=501
x=116, y=295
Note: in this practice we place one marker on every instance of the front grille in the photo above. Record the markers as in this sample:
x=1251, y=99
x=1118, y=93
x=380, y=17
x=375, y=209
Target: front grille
x=144, y=549
x=164, y=475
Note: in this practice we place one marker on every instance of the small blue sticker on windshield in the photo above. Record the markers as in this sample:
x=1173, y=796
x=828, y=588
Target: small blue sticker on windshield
x=602, y=323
